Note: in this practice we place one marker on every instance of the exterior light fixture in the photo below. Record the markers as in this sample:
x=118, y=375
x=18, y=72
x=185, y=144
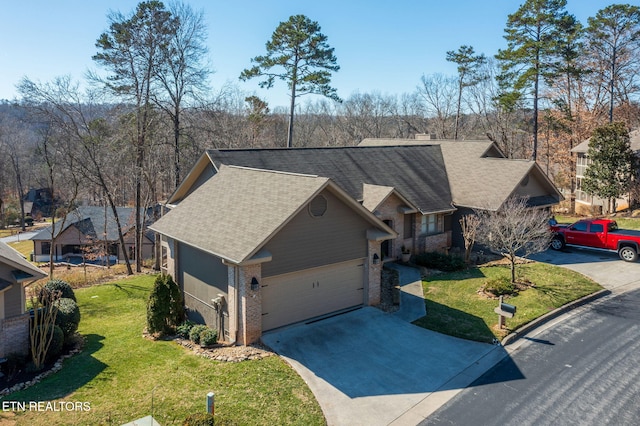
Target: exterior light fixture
x=255, y=285
x=376, y=258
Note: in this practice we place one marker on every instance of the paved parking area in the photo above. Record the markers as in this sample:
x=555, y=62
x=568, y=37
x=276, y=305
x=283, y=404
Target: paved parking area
x=605, y=268
x=367, y=367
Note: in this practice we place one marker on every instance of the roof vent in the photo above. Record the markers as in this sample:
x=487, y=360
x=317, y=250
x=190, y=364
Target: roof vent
x=318, y=206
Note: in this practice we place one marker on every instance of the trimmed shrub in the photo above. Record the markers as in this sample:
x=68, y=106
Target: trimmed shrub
x=196, y=330
x=165, y=308
x=57, y=341
x=440, y=261
x=56, y=285
x=500, y=287
x=208, y=337
x=199, y=419
x=68, y=316
x=183, y=329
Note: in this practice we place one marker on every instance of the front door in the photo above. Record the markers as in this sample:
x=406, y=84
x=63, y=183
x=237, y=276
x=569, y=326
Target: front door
x=386, y=248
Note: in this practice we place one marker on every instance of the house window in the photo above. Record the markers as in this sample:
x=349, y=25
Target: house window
x=164, y=257
x=409, y=221
x=429, y=224
x=46, y=247
x=318, y=206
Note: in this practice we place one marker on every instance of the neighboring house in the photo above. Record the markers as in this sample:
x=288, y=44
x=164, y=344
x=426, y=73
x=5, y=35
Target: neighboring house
x=39, y=203
x=413, y=193
x=15, y=274
x=254, y=250
x=91, y=233
x=589, y=204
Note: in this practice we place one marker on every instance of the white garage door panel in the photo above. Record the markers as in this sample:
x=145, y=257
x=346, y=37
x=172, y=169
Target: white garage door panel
x=297, y=296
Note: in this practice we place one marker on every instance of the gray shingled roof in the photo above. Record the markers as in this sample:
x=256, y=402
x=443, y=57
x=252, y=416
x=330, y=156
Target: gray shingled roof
x=476, y=181
x=634, y=137
x=235, y=212
x=14, y=259
x=417, y=172
x=90, y=220
x=479, y=182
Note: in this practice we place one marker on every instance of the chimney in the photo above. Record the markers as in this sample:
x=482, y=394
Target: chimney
x=424, y=137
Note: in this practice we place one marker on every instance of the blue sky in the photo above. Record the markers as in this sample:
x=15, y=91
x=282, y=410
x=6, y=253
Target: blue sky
x=382, y=46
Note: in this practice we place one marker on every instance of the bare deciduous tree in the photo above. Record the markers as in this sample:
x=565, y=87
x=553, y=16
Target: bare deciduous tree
x=515, y=230
x=469, y=224
x=41, y=328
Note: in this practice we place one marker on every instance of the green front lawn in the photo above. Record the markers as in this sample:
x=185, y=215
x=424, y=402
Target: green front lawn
x=119, y=372
x=454, y=306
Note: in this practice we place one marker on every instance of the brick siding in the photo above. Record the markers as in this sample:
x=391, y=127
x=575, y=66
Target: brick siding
x=14, y=335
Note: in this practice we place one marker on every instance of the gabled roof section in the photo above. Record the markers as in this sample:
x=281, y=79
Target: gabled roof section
x=14, y=259
x=375, y=195
x=199, y=173
x=479, y=175
x=237, y=211
x=417, y=172
x=634, y=137
x=90, y=220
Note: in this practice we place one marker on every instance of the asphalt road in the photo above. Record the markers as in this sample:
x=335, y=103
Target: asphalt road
x=583, y=370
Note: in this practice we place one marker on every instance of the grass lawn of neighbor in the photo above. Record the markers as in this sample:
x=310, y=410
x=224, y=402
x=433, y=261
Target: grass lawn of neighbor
x=119, y=374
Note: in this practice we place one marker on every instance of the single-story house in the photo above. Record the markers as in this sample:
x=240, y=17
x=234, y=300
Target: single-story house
x=86, y=231
x=590, y=204
x=15, y=274
x=255, y=250
x=413, y=193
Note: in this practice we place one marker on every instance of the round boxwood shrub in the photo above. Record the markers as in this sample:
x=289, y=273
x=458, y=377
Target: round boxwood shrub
x=208, y=337
x=57, y=341
x=183, y=329
x=199, y=419
x=500, y=287
x=61, y=288
x=196, y=330
x=67, y=317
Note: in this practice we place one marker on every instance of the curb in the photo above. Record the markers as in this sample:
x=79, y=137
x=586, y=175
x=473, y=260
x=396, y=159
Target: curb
x=552, y=315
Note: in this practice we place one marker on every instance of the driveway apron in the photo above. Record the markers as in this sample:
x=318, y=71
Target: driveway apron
x=368, y=367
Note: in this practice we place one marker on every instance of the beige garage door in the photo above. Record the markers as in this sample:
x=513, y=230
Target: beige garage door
x=297, y=296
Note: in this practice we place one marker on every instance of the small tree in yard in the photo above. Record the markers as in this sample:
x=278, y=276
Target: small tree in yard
x=515, y=230
x=165, y=308
x=41, y=331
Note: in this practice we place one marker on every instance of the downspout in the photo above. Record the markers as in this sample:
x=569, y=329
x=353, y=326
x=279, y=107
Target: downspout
x=236, y=279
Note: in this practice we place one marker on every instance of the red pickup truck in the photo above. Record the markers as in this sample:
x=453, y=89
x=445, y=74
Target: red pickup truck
x=600, y=234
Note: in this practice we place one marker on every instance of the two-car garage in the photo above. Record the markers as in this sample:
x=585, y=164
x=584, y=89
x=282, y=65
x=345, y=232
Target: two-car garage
x=310, y=293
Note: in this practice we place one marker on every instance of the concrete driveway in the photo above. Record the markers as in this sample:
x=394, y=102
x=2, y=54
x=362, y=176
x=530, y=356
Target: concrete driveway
x=605, y=268
x=367, y=367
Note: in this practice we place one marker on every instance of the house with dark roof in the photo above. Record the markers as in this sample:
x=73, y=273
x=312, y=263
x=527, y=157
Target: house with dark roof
x=591, y=204
x=15, y=274
x=90, y=232
x=376, y=199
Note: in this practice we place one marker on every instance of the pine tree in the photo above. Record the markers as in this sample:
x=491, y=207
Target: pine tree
x=532, y=33
x=301, y=56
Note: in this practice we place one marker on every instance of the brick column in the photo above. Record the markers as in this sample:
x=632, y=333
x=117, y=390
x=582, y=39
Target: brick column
x=374, y=273
x=249, y=305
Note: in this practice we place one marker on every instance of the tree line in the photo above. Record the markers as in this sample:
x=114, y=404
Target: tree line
x=130, y=132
